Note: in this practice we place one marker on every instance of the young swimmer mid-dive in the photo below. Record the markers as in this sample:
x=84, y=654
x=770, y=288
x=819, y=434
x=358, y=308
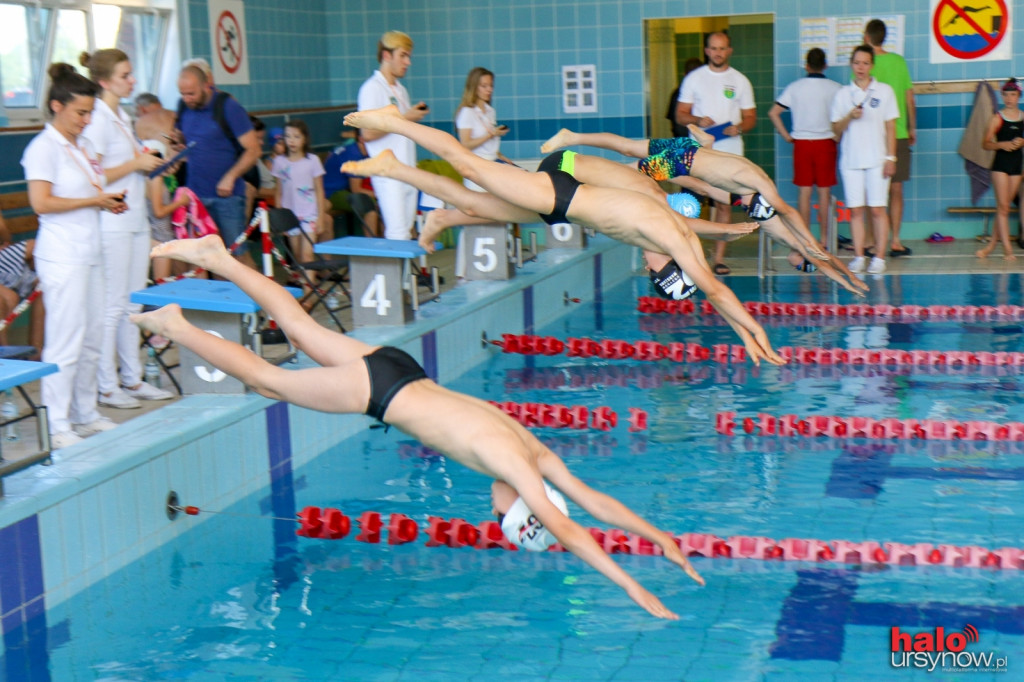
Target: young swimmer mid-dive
x=389, y=385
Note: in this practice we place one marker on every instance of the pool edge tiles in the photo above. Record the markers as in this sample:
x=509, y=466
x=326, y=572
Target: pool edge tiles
x=102, y=504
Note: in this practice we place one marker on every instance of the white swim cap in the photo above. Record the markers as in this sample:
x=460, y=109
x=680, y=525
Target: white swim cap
x=523, y=529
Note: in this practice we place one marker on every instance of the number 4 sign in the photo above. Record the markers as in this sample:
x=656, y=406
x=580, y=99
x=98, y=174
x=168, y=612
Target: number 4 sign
x=229, y=44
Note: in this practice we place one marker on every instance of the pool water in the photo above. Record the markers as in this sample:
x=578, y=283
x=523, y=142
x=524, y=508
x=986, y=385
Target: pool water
x=242, y=598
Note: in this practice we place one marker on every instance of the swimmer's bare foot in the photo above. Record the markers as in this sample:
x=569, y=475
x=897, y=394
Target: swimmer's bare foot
x=383, y=119
x=1009, y=256
x=375, y=166
x=207, y=252
x=703, y=139
x=163, y=321
x=981, y=253
x=563, y=138
x=436, y=222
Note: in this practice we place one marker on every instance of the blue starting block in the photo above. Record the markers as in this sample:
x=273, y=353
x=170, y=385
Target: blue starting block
x=15, y=374
x=376, y=268
x=220, y=308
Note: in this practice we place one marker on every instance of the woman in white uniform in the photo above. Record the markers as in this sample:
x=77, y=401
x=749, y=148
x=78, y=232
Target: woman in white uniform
x=864, y=114
x=124, y=237
x=476, y=122
x=66, y=189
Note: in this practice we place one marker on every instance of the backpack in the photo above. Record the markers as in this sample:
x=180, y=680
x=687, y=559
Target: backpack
x=251, y=176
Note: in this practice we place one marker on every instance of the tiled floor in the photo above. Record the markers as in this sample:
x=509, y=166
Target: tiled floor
x=953, y=257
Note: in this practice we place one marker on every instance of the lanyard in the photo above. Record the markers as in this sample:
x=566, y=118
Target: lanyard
x=92, y=170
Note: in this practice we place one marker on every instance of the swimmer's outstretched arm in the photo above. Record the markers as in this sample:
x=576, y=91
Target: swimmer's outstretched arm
x=607, y=509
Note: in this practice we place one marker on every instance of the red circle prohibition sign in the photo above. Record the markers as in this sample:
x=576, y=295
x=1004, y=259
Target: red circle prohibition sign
x=963, y=14
x=229, y=42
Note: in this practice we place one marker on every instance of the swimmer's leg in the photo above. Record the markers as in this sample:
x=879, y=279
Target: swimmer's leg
x=487, y=207
x=327, y=389
x=610, y=141
x=326, y=347
x=531, y=191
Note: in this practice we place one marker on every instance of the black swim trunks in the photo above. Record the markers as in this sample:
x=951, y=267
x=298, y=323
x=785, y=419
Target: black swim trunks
x=390, y=370
x=560, y=167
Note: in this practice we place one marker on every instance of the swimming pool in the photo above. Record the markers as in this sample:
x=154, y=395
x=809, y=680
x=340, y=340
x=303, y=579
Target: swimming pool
x=241, y=597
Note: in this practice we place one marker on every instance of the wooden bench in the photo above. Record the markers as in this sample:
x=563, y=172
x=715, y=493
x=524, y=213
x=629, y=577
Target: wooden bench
x=18, y=214
x=986, y=211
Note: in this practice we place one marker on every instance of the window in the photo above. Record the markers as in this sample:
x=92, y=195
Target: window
x=46, y=31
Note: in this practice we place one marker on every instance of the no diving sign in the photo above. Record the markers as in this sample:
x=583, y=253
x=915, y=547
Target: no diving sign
x=970, y=30
x=228, y=42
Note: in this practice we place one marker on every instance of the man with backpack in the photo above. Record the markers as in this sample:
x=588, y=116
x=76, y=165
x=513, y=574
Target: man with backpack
x=227, y=148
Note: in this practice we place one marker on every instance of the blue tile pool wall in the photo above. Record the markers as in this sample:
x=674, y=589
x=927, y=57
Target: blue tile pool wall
x=102, y=504
x=310, y=53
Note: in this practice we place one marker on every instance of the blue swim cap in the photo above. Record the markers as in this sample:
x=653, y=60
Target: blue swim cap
x=685, y=204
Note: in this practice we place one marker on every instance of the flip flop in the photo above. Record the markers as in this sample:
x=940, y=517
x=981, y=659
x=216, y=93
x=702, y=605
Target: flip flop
x=937, y=238
x=722, y=269
x=905, y=251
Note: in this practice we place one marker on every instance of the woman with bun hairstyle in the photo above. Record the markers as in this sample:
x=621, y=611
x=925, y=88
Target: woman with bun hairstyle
x=66, y=188
x=124, y=237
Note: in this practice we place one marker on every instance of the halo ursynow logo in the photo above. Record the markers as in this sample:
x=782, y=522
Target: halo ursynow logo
x=931, y=650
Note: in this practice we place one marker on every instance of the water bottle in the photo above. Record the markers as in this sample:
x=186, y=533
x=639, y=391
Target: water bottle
x=9, y=411
x=151, y=372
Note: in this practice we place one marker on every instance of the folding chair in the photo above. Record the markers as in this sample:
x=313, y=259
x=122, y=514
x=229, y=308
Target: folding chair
x=281, y=221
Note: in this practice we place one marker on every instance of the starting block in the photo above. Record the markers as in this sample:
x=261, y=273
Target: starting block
x=566, y=236
x=220, y=308
x=377, y=269
x=486, y=255
x=14, y=374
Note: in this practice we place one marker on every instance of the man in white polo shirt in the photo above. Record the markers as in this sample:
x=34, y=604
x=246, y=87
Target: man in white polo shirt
x=717, y=94
x=397, y=200
x=809, y=101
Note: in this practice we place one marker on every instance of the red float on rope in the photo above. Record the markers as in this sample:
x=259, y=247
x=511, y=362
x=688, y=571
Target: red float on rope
x=868, y=427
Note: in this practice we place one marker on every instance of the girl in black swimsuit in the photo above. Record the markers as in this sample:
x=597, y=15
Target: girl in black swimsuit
x=1006, y=136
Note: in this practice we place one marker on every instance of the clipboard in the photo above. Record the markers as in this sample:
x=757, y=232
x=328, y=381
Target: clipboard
x=159, y=170
x=718, y=131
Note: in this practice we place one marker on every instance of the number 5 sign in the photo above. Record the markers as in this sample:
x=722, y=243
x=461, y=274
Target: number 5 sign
x=228, y=42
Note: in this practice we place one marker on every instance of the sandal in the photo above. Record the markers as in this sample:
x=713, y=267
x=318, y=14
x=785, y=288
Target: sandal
x=722, y=269
x=905, y=251
x=937, y=238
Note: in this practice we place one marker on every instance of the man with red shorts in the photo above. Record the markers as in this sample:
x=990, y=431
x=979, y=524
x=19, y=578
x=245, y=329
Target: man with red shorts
x=814, y=146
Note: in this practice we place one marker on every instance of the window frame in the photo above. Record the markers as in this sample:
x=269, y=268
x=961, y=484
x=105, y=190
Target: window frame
x=37, y=114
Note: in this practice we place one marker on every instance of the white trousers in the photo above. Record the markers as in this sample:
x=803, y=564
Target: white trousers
x=125, y=266
x=73, y=296
x=397, y=202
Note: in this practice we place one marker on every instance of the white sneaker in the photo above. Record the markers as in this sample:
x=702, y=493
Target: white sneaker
x=64, y=439
x=95, y=426
x=857, y=265
x=146, y=391
x=877, y=266
x=119, y=399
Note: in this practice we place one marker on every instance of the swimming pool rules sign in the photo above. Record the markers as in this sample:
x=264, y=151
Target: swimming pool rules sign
x=228, y=43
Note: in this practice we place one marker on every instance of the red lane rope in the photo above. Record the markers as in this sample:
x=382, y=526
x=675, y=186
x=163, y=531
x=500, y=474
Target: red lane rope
x=868, y=427
x=575, y=416
x=333, y=524
x=615, y=349
x=652, y=304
